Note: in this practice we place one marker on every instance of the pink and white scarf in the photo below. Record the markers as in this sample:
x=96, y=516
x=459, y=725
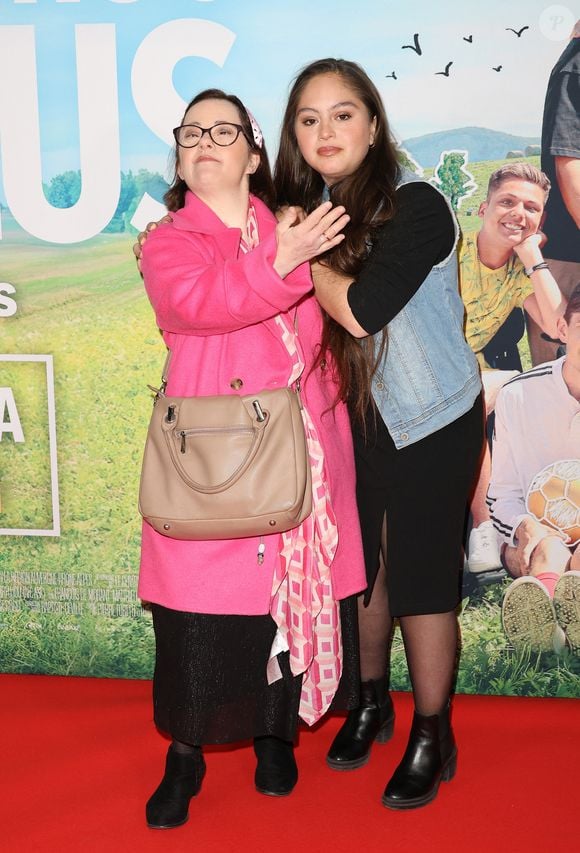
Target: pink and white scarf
x=302, y=604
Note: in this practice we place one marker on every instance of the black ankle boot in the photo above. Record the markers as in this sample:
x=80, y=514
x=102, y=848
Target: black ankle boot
x=169, y=805
x=374, y=719
x=430, y=757
x=276, y=771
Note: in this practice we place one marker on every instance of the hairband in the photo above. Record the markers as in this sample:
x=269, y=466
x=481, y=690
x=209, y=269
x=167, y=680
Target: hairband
x=256, y=132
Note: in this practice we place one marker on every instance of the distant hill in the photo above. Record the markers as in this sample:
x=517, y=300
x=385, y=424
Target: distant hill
x=480, y=142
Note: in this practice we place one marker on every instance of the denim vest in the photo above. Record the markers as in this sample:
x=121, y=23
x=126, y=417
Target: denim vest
x=429, y=375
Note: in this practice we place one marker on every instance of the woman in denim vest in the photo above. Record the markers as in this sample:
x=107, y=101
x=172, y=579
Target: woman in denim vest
x=394, y=327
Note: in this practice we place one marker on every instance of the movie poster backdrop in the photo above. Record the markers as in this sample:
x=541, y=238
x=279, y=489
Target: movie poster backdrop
x=89, y=92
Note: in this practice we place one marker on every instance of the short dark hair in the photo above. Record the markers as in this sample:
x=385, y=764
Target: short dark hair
x=261, y=183
x=573, y=306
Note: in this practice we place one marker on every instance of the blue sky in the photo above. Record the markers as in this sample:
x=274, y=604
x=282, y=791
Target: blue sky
x=274, y=38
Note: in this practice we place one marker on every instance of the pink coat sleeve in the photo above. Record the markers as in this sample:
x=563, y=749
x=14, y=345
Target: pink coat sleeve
x=195, y=290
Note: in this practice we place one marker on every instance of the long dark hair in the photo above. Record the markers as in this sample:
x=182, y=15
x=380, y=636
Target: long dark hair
x=261, y=183
x=369, y=198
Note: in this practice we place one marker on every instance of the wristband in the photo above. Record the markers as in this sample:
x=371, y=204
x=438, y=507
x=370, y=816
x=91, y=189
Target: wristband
x=541, y=266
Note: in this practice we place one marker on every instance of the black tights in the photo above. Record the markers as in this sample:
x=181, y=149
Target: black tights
x=430, y=647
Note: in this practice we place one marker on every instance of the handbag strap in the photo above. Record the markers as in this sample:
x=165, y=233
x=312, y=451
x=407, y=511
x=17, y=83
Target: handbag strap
x=160, y=392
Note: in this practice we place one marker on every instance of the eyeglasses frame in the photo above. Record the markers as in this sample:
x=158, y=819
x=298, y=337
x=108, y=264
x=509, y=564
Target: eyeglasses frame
x=208, y=130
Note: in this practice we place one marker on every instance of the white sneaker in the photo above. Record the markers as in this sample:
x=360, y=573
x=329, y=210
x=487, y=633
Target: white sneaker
x=529, y=618
x=567, y=605
x=483, y=549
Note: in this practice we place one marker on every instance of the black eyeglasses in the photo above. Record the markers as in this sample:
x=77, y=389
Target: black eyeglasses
x=223, y=133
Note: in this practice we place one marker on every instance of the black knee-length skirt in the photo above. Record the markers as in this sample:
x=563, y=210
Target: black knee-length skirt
x=210, y=684
x=423, y=490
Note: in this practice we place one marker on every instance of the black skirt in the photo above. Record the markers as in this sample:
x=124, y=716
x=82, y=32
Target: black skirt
x=210, y=682
x=423, y=490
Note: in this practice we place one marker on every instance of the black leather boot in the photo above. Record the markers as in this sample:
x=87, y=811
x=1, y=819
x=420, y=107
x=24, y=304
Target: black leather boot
x=276, y=771
x=430, y=757
x=169, y=805
x=374, y=719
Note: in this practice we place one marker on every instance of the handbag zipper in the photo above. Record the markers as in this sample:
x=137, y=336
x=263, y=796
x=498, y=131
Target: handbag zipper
x=184, y=433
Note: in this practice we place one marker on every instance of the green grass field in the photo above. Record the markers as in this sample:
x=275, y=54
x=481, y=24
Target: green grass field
x=86, y=305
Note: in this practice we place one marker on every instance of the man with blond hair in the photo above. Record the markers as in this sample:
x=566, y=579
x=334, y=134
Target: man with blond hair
x=501, y=267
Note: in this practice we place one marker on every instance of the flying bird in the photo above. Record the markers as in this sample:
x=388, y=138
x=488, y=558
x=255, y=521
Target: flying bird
x=416, y=47
x=517, y=32
x=497, y=67
x=393, y=75
x=446, y=72
x=468, y=38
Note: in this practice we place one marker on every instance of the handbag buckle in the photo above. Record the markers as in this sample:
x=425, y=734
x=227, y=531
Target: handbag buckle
x=158, y=392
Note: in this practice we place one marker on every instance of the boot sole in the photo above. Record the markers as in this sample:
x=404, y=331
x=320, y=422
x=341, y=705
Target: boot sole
x=447, y=775
x=384, y=734
x=267, y=793
x=167, y=825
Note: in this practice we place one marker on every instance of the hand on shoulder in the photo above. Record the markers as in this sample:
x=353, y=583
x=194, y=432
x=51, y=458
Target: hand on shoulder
x=142, y=237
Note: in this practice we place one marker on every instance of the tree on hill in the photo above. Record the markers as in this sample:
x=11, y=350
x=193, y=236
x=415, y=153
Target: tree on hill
x=452, y=178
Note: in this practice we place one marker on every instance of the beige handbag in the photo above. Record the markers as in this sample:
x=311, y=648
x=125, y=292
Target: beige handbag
x=226, y=467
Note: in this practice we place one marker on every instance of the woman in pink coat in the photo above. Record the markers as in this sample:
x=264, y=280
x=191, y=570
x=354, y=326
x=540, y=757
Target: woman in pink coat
x=249, y=632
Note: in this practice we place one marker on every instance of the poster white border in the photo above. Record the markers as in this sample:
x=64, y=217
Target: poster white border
x=55, y=529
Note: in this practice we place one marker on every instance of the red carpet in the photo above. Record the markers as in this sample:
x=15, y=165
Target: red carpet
x=81, y=756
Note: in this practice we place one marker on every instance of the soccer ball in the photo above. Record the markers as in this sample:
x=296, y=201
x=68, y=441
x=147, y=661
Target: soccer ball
x=554, y=497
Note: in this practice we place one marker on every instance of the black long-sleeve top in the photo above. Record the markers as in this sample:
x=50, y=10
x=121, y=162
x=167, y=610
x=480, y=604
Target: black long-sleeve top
x=420, y=235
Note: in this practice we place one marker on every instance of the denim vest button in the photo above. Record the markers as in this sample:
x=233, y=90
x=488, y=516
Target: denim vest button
x=380, y=386
x=404, y=436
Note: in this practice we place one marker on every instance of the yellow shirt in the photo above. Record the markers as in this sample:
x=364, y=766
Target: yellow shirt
x=488, y=295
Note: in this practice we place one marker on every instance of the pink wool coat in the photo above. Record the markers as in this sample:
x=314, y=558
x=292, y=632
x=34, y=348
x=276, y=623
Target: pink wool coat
x=216, y=307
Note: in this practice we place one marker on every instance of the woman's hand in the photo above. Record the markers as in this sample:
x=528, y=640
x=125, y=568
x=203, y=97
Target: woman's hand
x=137, y=247
x=300, y=241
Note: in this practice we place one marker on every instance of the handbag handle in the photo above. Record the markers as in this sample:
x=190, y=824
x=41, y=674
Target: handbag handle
x=257, y=436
